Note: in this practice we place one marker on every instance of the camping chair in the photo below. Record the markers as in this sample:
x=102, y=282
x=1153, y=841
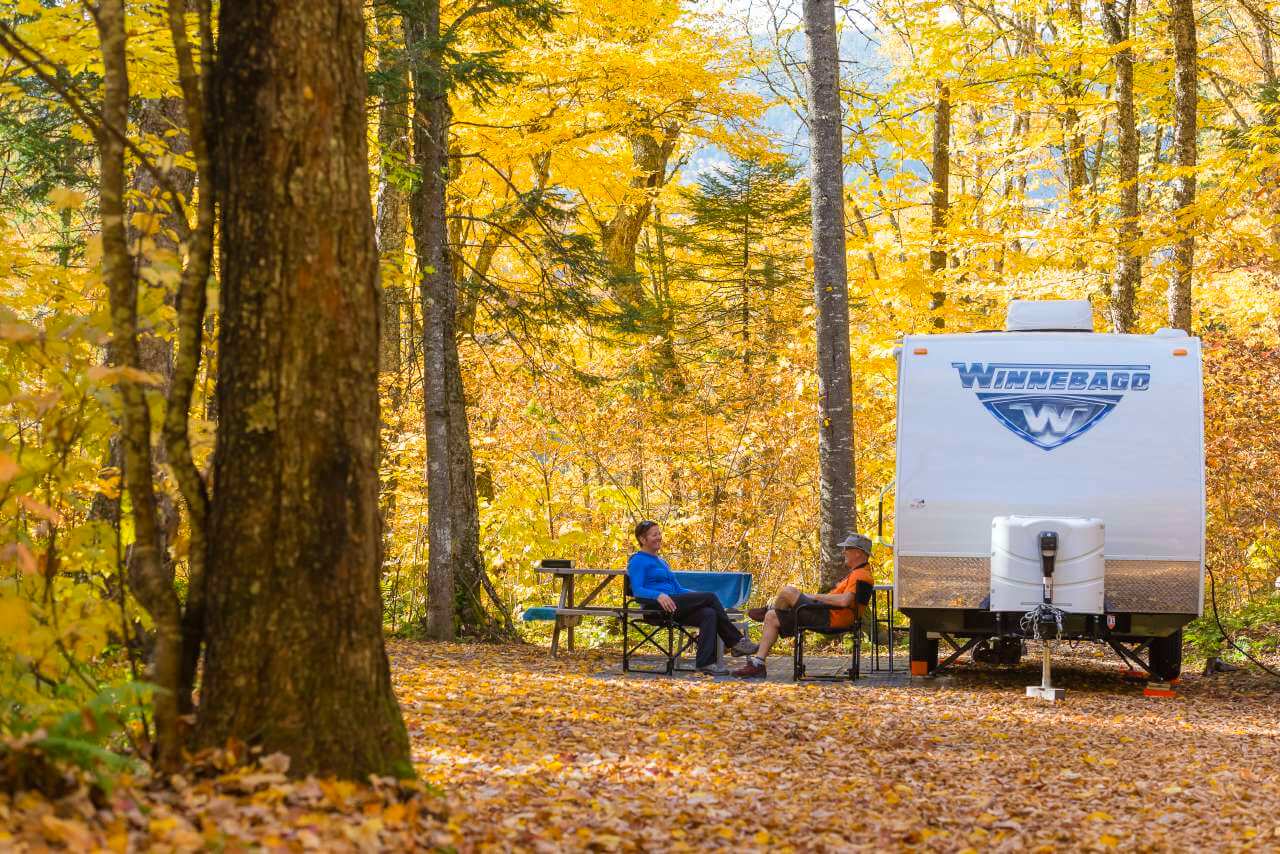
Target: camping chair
x=855, y=660
x=658, y=629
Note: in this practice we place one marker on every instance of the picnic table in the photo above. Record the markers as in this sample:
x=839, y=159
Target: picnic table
x=733, y=588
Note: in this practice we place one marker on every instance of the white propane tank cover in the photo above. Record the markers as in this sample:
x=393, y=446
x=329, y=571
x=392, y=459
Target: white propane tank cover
x=1079, y=573
x=1064, y=315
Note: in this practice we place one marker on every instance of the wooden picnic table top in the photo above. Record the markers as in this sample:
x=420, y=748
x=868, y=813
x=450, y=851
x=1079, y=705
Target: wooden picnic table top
x=573, y=570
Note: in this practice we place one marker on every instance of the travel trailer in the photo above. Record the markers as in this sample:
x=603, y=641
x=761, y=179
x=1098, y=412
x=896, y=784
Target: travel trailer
x=1050, y=482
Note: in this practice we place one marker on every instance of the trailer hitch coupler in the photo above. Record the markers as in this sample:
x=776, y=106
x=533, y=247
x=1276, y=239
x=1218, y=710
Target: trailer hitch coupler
x=1048, y=552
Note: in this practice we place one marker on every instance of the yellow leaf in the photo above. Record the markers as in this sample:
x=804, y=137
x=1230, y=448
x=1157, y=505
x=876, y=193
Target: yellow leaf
x=64, y=198
x=1108, y=840
x=1099, y=815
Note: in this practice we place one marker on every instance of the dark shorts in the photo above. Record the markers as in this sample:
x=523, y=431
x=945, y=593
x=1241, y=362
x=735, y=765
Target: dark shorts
x=810, y=618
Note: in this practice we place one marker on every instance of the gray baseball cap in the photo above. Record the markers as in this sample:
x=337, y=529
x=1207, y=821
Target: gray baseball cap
x=856, y=541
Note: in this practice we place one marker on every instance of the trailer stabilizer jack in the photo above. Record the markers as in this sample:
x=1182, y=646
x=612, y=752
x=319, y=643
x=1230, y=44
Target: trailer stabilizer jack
x=1045, y=690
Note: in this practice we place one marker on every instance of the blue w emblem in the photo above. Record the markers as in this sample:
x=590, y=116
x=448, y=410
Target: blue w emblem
x=1049, y=420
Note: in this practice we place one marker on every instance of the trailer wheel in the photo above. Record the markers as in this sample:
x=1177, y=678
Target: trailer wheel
x=1166, y=656
x=924, y=650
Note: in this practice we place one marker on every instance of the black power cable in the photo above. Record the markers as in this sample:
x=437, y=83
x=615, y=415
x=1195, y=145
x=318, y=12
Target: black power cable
x=1213, y=600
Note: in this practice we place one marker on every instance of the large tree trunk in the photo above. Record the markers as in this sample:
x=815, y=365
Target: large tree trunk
x=295, y=660
x=431, y=117
x=392, y=208
x=1128, y=270
x=151, y=577
x=835, y=392
x=940, y=197
x=1182, y=24
x=651, y=150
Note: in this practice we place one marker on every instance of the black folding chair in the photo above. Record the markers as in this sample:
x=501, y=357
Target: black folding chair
x=656, y=628
x=855, y=659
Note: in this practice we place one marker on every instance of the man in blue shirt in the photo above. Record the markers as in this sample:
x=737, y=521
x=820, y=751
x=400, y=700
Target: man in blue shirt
x=655, y=585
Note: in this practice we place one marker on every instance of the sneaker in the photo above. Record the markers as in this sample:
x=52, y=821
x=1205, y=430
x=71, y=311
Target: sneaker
x=746, y=646
x=757, y=614
x=751, y=670
x=716, y=669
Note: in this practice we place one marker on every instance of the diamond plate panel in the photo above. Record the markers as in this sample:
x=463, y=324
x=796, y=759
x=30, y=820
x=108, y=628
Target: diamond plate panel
x=1154, y=586
x=943, y=582
x=1136, y=586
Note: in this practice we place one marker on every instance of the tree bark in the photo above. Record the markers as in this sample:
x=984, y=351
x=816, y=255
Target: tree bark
x=295, y=660
x=191, y=303
x=1128, y=269
x=392, y=205
x=1182, y=26
x=835, y=392
x=651, y=150
x=940, y=197
x=431, y=117
x=1073, y=90
x=150, y=575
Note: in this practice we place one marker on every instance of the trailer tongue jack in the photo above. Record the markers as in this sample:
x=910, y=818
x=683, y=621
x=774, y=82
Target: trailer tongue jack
x=1044, y=616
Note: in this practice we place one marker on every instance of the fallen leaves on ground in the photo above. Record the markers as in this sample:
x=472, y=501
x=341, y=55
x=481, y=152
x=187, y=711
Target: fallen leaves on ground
x=536, y=753
x=230, y=807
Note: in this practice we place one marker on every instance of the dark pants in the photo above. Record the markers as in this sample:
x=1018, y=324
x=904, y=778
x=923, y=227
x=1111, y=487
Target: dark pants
x=704, y=611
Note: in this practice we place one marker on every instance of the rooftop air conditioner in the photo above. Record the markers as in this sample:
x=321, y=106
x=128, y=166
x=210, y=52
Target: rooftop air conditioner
x=1074, y=315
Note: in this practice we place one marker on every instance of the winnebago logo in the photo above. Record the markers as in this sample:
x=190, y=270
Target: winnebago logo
x=1049, y=405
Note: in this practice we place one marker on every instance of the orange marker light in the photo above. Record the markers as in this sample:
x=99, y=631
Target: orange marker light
x=1181, y=351
x=921, y=351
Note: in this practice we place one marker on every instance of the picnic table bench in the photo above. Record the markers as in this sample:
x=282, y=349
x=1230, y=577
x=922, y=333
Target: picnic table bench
x=733, y=588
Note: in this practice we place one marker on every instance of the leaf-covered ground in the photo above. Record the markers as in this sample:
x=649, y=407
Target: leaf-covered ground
x=544, y=754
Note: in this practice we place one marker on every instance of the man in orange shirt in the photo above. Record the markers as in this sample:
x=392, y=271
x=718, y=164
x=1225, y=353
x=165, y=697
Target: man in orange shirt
x=846, y=603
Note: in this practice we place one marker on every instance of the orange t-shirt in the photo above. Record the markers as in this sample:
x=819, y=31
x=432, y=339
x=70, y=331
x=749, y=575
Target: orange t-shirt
x=842, y=618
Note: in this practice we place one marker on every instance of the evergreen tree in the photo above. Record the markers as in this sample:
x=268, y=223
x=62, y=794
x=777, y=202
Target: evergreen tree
x=745, y=231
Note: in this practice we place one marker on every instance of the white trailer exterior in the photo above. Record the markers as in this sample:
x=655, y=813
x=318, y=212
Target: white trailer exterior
x=1052, y=424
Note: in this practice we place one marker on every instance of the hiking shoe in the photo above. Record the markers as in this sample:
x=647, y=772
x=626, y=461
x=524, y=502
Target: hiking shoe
x=716, y=669
x=757, y=614
x=751, y=670
x=746, y=646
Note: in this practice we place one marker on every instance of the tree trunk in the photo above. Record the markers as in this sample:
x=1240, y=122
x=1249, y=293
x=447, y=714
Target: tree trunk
x=1128, y=270
x=295, y=660
x=835, y=393
x=427, y=212
x=1077, y=168
x=392, y=208
x=1263, y=25
x=150, y=576
x=1182, y=24
x=651, y=149
x=939, y=197
x=471, y=576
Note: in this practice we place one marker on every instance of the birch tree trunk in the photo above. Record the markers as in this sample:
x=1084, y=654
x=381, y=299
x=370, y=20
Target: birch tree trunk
x=835, y=392
x=295, y=660
x=427, y=212
x=1182, y=26
x=1128, y=269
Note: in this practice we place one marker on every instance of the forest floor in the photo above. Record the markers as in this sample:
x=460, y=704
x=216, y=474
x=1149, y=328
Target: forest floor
x=520, y=751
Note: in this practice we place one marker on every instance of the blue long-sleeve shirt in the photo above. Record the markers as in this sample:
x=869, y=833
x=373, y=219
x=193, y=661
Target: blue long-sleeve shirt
x=651, y=576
